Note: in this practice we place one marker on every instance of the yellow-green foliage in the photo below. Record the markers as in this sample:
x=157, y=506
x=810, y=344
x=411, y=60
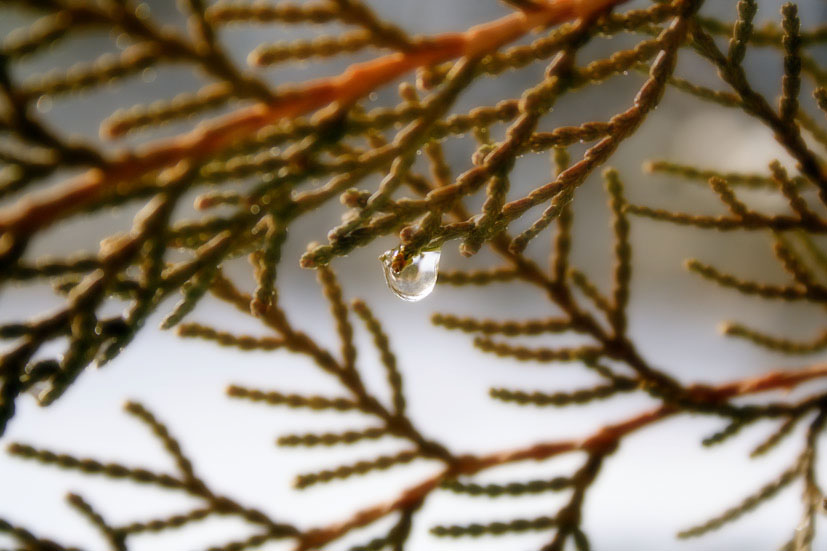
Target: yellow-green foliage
x=281, y=160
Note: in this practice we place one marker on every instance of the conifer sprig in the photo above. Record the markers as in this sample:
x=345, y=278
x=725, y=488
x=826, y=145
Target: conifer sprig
x=278, y=153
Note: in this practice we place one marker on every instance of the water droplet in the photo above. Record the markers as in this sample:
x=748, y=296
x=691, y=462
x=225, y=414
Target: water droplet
x=44, y=103
x=255, y=209
x=416, y=280
x=373, y=96
x=142, y=10
x=149, y=75
x=122, y=41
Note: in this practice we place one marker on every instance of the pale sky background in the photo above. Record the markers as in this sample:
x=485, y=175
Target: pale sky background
x=660, y=481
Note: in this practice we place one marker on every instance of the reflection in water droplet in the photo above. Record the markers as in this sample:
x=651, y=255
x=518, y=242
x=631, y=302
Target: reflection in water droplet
x=44, y=103
x=416, y=280
x=142, y=10
x=149, y=75
x=123, y=41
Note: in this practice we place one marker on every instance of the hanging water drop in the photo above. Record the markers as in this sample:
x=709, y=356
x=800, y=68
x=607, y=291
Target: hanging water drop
x=142, y=11
x=122, y=41
x=416, y=280
x=149, y=75
x=44, y=103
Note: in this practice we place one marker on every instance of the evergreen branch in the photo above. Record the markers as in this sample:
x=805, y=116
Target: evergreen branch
x=265, y=263
x=382, y=462
x=790, y=191
x=769, y=34
x=738, y=209
x=809, y=124
x=749, y=503
x=792, y=264
x=476, y=530
x=776, y=437
x=562, y=237
x=396, y=536
x=171, y=445
x=817, y=255
x=812, y=495
x=522, y=353
x=546, y=47
x=170, y=522
x=134, y=59
x=380, y=340
x=561, y=399
x=753, y=222
x=495, y=194
x=46, y=31
x=332, y=439
x=142, y=117
x=52, y=267
x=90, y=466
x=718, y=97
x=622, y=253
x=742, y=31
x=356, y=82
x=323, y=47
x=585, y=285
x=624, y=125
x=604, y=440
x=751, y=287
x=251, y=542
x=477, y=277
x=507, y=328
x=195, y=288
x=226, y=12
x=752, y=181
x=732, y=429
x=511, y=489
x=569, y=517
x=243, y=342
x=333, y=293
x=791, y=83
x=777, y=344
x=113, y=537
x=292, y=400
x=786, y=132
x=273, y=150
x=30, y=540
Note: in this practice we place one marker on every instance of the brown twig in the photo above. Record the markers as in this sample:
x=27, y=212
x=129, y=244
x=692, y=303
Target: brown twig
x=599, y=442
x=40, y=211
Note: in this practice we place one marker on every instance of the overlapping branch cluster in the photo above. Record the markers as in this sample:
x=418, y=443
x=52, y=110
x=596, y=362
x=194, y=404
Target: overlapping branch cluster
x=255, y=169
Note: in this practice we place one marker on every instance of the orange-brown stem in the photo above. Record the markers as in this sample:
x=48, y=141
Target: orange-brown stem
x=601, y=441
x=41, y=210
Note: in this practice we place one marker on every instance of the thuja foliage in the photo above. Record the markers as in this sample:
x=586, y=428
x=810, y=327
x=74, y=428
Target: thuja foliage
x=280, y=152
